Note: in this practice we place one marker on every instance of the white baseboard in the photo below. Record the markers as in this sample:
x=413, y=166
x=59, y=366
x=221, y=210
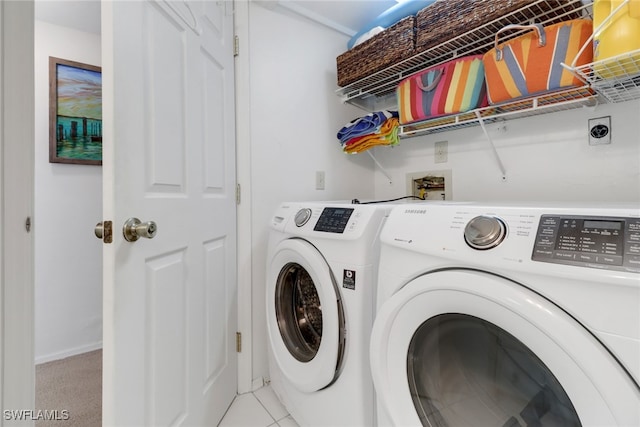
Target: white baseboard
x=68, y=352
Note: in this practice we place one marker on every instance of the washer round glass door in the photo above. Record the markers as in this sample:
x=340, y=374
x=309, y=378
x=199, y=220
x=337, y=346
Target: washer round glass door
x=466, y=348
x=299, y=312
x=305, y=321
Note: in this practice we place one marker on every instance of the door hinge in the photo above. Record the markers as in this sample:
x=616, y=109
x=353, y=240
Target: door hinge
x=238, y=194
x=238, y=342
x=236, y=45
x=27, y=224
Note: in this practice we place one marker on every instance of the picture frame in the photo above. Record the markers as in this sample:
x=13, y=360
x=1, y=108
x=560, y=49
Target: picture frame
x=75, y=112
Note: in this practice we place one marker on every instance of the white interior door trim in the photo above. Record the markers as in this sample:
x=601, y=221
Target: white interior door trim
x=243, y=173
x=17, y=190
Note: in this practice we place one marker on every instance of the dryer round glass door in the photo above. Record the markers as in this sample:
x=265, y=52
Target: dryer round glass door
x=467, y=348
x=305, y=318
x=463, y=370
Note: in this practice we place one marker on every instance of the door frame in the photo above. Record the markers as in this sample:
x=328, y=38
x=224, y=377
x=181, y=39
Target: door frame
x=243, y=211
x=17, y=107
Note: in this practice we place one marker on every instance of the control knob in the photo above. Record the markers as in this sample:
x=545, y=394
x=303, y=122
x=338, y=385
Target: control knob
x=484, y=232
x=302, y=217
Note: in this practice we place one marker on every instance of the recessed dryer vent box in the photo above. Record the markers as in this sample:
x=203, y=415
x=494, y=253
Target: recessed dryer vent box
x=430, y=185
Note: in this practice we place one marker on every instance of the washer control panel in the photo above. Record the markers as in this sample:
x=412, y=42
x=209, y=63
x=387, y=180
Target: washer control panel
x=599, y=242
x=333, y=220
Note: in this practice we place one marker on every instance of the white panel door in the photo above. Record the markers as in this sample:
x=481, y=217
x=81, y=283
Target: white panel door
x=169, y=157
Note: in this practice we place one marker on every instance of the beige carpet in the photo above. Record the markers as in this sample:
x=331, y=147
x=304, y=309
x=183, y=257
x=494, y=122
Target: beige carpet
x=69, y=391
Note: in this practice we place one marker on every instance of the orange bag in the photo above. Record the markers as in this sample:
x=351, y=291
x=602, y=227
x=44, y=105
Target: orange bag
x=530, y=64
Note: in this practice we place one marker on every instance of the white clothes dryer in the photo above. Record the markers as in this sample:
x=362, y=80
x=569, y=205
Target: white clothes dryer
x=321, y=275
x=508, y=316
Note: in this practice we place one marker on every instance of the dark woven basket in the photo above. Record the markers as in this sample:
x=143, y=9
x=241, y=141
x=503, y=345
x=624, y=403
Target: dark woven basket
x=445, y=19
x=382, y=50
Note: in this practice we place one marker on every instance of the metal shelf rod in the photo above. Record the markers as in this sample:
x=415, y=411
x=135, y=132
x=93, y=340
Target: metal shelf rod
x=493, y=147
x=384, y=172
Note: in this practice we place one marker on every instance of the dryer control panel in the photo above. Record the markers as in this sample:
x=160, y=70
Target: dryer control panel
x=599, y=242
x=333, y=220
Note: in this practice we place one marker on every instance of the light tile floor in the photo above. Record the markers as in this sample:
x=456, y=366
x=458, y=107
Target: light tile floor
x=258, y=409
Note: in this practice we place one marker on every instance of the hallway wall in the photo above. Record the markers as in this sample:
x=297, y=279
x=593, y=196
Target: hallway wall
x=68, y=204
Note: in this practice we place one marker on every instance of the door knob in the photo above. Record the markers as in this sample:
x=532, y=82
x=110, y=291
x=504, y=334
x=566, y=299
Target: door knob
x=104, y=231
x=99, y=230
x=133, y=229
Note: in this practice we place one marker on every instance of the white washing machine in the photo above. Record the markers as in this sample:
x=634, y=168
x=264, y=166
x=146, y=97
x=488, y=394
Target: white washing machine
x=508, y=316
x=321, y=275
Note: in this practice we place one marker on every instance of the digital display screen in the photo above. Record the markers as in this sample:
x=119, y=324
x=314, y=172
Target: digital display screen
x=589, y=236
x=603, y=225
x=335, y=212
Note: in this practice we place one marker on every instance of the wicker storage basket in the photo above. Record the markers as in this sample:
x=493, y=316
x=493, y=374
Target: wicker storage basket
x=446, y=19
x=382, y=50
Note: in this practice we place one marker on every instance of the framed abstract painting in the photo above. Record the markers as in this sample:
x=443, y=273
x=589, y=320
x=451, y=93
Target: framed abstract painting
x=75, y=112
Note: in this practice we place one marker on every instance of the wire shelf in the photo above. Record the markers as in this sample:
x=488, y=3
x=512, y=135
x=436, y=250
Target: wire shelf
x=617, y=78
x=379, y=88
x=546, y=103
x=613, y=80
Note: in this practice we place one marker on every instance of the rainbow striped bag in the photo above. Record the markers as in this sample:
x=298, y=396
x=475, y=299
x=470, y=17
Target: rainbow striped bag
x=531, y=63
x=453, y=87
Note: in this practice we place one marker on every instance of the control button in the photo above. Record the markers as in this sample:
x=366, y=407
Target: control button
x=633, y=261
x=564, y=255
x=484, y=232
x=542, y=253
x=610, y=260
x=302, y=217
x=545, y=241
x=586, y=258
x=550, y=221
x=634, y=226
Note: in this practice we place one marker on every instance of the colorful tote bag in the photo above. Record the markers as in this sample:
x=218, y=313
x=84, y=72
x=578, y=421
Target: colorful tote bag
x=531, y=63
x=453, y=87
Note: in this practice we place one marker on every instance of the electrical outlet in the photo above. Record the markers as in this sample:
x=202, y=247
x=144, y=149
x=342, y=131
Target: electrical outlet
x=441, y=152
x=319, y=180
x=600, y=131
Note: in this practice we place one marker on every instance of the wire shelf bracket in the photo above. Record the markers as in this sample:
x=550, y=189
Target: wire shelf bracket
x=384, y=172
x=493, y=146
